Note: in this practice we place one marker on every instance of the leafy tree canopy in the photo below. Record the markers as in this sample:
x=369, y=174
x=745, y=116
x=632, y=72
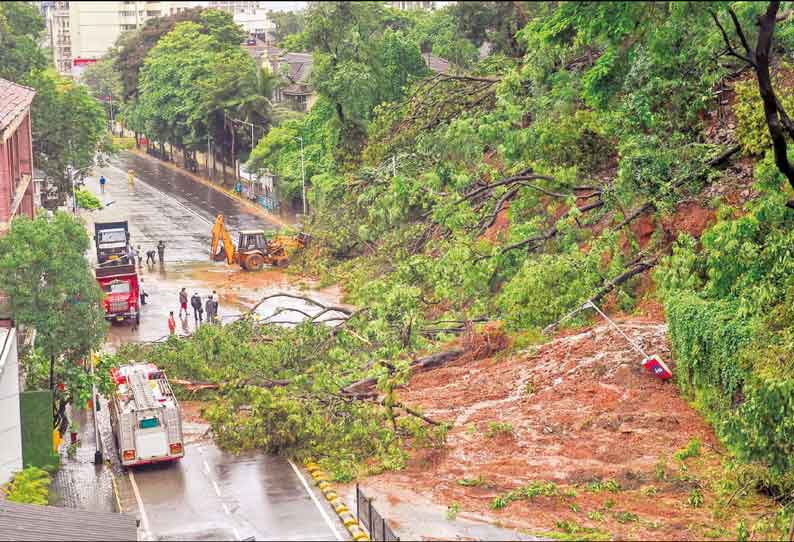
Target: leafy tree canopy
x=21, y=28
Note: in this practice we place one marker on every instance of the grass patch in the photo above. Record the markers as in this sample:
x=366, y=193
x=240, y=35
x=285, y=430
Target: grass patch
x=474, y=482
x=692, y=449
x=498, y=428
x=597, y=486
x=595, y=515
x=570, y=530
x=452, y=511
x=525, y=493
x=626, y=517
x=695, y=499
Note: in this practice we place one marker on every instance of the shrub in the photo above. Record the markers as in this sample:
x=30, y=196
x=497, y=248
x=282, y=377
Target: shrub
x=29, y=486
x=86, y=200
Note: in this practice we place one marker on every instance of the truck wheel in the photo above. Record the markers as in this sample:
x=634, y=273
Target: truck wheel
x=254, y=262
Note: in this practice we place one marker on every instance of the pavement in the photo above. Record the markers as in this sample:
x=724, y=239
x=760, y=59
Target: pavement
x=412, y=516
x=210, y=494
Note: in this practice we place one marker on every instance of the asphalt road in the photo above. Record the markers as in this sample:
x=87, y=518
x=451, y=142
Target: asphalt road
x=210, y=494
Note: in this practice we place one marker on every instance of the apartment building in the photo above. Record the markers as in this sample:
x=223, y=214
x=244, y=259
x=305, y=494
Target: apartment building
x=82, y=32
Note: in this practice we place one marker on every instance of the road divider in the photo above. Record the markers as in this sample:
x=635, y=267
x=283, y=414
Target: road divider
x=348, y=519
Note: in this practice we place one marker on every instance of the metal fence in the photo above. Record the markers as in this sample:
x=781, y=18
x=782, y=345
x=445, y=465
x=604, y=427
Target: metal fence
x=371, y=520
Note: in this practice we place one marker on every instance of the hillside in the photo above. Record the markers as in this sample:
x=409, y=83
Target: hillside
x=629, y=153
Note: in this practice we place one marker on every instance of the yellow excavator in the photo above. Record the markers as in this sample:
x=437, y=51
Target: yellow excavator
x=254, y=249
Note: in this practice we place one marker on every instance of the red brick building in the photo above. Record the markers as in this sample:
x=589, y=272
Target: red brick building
x=16, y=153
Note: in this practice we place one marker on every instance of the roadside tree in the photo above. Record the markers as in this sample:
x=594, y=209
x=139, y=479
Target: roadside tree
x=44, y=271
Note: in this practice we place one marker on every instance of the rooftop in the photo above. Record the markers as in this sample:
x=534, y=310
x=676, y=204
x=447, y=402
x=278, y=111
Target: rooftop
x=14, y=102
x=35, y=522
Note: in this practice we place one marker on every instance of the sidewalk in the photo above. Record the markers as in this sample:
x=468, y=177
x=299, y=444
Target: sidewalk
x=79, y=483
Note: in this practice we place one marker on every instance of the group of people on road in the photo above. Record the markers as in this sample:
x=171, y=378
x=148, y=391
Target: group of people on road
x=210, y=306
x=134, y=254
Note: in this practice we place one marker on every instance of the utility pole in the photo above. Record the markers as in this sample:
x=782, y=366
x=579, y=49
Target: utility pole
x=303, y=177
x=209, y=155
x=95, y=403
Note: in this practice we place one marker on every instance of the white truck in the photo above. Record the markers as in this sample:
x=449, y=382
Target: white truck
x=145, y=416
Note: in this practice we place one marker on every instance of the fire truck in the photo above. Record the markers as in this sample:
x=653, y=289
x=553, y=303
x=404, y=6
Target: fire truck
x=145, y=416
x=119, y=283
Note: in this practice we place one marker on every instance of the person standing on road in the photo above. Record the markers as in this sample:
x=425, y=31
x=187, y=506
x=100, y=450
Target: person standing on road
x=130, y=177
x=210, y=305
x=143, y=294
x=183, y=302
x=161, y=251
x=131, y=255
x=102, y=182
x=150, y=255
x=217, y=300
x=171, y=323
x=195, y=302
x=138, y=256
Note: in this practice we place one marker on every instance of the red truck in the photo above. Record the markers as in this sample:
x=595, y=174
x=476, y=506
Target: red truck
x=119, y=283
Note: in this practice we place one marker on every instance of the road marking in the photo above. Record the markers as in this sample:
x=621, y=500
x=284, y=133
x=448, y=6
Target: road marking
x=316, y=502
x=169, y=196
x=144, y=517
x=226, y=509
x=217, y=489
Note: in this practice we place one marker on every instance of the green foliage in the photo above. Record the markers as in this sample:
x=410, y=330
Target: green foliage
x=29, y=486
x=692, y=449
x=452, y=511
x=751, y=130
x=306, y=416
x=525, y=493
x=695, y=499
x=86, y=200
x=473, y=482
x=21, y=27
x=626, y=517
x=608, y=484
x=53, y=290
x=595, y=515
x=496, y=429
x=68, y=128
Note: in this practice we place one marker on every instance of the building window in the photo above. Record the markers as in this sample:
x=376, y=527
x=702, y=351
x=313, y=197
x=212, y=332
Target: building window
x=128, y=27
x=152, y=13
x=128, y=14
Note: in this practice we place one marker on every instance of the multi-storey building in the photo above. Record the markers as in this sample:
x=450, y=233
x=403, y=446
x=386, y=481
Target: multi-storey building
x=413, y=5
x=82, y=32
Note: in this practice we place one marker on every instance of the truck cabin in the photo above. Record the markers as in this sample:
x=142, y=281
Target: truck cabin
x=111, y=244
x=252, y=240
x=116, y=286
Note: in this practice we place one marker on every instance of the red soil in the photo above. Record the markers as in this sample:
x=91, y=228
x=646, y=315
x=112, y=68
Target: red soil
x=581, y=408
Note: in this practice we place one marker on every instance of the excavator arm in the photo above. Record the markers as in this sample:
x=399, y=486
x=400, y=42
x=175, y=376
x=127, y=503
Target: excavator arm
x=222, y=245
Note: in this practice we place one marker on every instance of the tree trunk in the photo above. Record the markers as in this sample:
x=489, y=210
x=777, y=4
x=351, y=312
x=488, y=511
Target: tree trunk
x=52, y=372
x=766, y=28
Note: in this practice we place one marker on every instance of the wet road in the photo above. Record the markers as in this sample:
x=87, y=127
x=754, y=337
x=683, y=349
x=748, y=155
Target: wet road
x=227, y=497
x=210, y=494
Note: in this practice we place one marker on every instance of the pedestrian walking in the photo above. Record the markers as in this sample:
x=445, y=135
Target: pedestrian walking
x=143, y=294
x=161, y=251
x=131, y=255
x=130, y=177
x=102, y=182
x=198, y=311
x=171, y=323
x=150, y=255
x=217, y=299
x=138, y=256
x=183, y=302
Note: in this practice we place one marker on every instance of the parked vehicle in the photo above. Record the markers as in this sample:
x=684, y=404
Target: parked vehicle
x=112, y=242
x=145, y=416
x=119, y=283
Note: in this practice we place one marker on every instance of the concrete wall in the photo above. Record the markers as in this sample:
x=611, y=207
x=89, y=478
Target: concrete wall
x=10, y=430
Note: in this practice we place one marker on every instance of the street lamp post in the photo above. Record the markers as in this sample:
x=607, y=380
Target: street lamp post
x=74, y=192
